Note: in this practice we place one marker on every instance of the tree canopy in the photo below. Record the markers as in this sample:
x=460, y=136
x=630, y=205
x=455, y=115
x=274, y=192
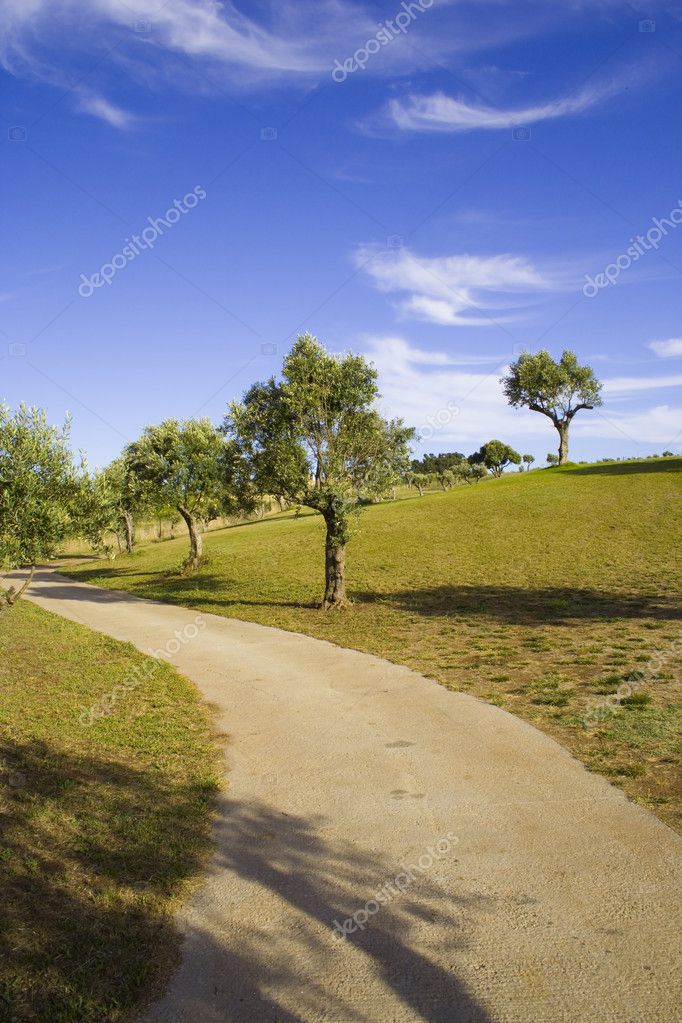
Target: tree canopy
x=39, y=485
x=190, y=466
x=110, y=500
x=438, y=462
x=557, y=390
x=495, y=456
x=317, y=439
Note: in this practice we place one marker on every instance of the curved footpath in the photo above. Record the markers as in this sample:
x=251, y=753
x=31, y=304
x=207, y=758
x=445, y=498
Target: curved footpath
x=474, y=869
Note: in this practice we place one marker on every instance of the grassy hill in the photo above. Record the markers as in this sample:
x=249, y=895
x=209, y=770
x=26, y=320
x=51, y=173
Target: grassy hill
x=539, y=592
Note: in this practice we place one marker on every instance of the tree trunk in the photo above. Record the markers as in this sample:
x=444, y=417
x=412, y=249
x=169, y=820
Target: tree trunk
x=129, y=530
x=562, y=429
x=335, y=565
x=12, y=595
x=195, y=541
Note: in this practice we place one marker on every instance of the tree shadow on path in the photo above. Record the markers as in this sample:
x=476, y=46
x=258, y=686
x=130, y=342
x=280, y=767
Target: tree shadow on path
x=272, y=955
x=84, y=940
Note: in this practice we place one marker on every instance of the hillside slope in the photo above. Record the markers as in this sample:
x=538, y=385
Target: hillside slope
x=540, y=592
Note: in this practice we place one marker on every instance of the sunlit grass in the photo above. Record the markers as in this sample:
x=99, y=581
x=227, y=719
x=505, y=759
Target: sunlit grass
x=539, y=592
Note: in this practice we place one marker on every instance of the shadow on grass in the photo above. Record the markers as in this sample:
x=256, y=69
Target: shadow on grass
x=90, y=848
x=89, y=843
x=510, y=604
x=628, y=468
x=516, y=605
x=77, y=557
x=185, y=590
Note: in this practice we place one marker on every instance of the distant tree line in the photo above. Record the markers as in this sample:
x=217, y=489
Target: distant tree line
x=494, y=456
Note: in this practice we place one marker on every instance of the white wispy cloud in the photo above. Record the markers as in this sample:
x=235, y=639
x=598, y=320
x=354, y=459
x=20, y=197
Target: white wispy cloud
x=241, y=44
x=631, y=385
x=397, y=351
x=100, y=107
x=215, y=45
x=441, y=113
x=670, y=349
x=189, y=44
x=418, y=385
x=450, y=290
x=659, y=425
x=246, y=43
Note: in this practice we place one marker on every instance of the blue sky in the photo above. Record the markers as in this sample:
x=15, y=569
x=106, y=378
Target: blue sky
x=434, y=184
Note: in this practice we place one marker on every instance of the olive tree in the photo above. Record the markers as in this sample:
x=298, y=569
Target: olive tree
x=496, y=456
x=39, y=485
x=190, y=466
x=418, y=480
x=97, y=514
x=316, y=438
x=131, y=497
x=111, y=500
x=437, y=463
x=528, y=459
x=446, y=478
x=556, y=389
x=474, y=473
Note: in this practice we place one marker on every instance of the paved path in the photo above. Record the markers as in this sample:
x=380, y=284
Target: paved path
x=546, y=896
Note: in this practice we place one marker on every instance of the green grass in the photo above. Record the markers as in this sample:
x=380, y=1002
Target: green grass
x=540, y=592
x=103, y=827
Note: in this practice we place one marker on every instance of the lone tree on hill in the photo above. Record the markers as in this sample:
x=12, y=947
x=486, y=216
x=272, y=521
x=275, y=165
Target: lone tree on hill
x=192, y=467
x=556, y=389
x=316, y=439
x=496, y=456
x=39, y=487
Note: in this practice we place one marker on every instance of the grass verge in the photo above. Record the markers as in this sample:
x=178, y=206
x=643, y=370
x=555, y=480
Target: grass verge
x=540, y=592
x=103, y=827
